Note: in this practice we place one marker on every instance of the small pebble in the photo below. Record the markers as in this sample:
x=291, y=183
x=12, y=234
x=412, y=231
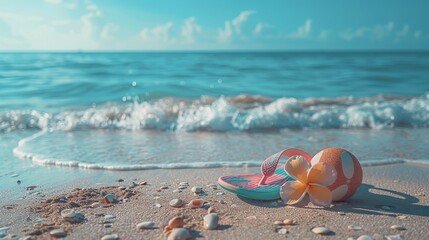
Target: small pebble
x=96, y=204
x=182, y=187
x=364, y=237
x=211, y=221
x=14, y=175
x=221, y=201
x=220, y=193
x=110, y=237
x=157, y=205
x=402, y=217
x=251, y=217
x=109, y=219
x=143, y=183
x=278, y=223
x=179, y=234
x=163, y=187
x=176, y=203
x=398, y=227
x=196, y=189
x=394, y=237
x=120, y=180
x=184, y=184
x=283, y=231
x=321, y=230
x=146, y=225
x=289, y=222
x=354, y=227
x=107, y=225
x=196, y=203
x=57, y=233
x=341, y=213
x=110, y=198
x=18, y=182
x=122, y=188
x=177, y=191
x=30, y=187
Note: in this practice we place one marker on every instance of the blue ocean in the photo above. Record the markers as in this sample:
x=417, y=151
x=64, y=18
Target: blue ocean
x=146, y=110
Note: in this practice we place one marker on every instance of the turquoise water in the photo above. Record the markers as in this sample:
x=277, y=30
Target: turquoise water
x=46, y=81
x=118, y=111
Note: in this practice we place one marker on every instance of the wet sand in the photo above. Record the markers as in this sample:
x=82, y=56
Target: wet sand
x=390, y=195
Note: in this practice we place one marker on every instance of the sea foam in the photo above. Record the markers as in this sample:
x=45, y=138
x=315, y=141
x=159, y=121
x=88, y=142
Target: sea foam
x=242, y=113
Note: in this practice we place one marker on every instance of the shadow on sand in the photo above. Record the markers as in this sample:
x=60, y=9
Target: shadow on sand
x=368, y=200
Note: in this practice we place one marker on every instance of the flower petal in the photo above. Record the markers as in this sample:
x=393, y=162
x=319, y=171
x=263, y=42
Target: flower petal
x=293, y=192
x=297, y=167
x=322, y=174
x=320, y=195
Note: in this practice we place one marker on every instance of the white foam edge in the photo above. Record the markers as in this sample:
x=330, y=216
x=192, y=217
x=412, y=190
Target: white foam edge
x=18, y=152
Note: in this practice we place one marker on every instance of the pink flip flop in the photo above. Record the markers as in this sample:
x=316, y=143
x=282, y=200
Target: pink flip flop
x=266, y=185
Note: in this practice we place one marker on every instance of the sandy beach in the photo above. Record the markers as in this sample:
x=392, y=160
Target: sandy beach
x=390, y=195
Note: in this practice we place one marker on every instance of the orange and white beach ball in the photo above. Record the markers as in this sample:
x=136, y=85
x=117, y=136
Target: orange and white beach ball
x=349, y=171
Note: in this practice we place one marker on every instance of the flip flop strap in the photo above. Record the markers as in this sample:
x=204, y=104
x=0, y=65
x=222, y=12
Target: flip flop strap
x=269, y=165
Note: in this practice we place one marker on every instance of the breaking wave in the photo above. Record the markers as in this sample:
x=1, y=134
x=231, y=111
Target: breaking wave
x=241, y=113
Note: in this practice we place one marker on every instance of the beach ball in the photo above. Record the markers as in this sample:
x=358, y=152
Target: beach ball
x=348, y=171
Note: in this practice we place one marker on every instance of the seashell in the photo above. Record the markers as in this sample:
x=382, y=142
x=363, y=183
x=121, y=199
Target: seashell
x=179, y=234
x=143, y=183
x=196, y=189
x=176, y=203
x=57, y=233
x=184, y=184
x=321, y=230
x=110, y=237
x=146, y=225
x=211, y=221
x=196, y=203
x=177, y=191
x=110, y=198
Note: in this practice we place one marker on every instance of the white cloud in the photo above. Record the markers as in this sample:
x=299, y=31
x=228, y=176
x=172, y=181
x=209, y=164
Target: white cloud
x=377, y=32
x=225, y=34
x=240, y=19
x=158, y=33
x=403, y=32
x=259, y=27
x=189, y=28
x=303, y=31
x=54, y=1
x=417, y=34
x=108, y=30
x=323, y=35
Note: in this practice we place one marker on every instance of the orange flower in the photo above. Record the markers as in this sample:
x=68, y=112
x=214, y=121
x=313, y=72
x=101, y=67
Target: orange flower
x=308, y=180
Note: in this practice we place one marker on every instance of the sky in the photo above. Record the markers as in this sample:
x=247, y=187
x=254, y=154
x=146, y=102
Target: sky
x=97, y=25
